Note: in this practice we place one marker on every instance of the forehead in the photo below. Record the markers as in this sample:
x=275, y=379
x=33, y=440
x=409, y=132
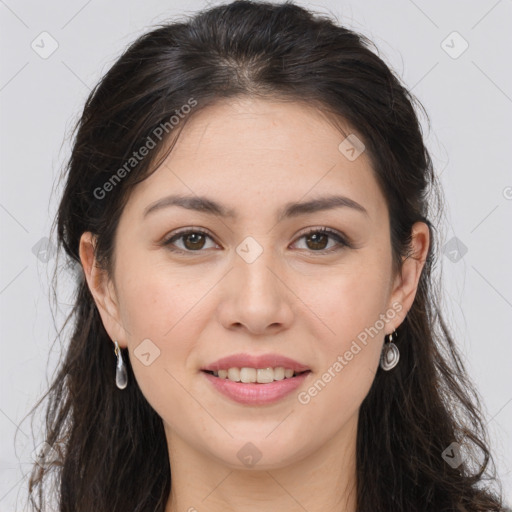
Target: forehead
x=258, y=153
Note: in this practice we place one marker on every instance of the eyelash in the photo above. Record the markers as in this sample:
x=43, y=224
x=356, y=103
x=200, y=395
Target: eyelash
x=341, y=240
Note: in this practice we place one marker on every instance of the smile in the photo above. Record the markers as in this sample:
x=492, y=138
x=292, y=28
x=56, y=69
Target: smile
x=255, y=393
x=255, y=375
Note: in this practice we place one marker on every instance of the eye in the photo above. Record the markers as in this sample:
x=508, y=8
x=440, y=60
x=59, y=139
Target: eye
x=317, y=240
x=193, y=240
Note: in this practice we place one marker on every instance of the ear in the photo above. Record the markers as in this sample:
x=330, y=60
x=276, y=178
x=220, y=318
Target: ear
x=406, y=281
x=102, y=289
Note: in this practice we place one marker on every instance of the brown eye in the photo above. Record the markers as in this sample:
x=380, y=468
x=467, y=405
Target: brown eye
x=192, y=241
x=317, y=240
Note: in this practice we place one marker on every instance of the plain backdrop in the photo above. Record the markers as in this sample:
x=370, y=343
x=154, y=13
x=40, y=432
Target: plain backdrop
x=455, y=56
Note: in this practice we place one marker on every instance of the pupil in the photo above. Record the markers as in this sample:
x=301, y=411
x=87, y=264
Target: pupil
x=315, y=237
x=198, y=240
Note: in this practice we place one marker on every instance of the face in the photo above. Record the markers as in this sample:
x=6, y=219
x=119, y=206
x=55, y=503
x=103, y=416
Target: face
x=257, y=280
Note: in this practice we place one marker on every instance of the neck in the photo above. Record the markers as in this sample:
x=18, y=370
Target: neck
x=321, y=481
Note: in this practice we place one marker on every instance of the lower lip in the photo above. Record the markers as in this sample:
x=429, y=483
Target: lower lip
x=256, y=394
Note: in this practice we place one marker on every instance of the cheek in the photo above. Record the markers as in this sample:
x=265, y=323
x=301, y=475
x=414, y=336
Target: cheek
x=350, y=361
x=353, y=300
x=157, y=297
x=353, y=307
x=158, y=309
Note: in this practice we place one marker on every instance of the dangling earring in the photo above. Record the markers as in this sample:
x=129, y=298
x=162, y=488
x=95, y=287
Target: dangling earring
x=390, y=354
x=121, y=374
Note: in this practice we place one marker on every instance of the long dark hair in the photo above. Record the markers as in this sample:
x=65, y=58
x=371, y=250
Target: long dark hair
x=111, y=446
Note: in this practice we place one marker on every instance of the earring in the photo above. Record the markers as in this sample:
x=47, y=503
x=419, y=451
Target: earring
x=121, y=374
x=390, y=354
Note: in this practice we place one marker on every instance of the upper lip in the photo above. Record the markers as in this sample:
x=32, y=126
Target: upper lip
x=255, y=361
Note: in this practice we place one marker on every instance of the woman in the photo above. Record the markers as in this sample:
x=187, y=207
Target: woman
x=256, y=325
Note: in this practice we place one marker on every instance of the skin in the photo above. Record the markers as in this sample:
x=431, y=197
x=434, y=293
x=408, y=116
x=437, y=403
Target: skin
x=254, y=156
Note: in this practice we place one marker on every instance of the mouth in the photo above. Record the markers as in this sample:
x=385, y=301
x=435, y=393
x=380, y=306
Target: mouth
x=246, y=375
x=256, y=379
x=250, y=389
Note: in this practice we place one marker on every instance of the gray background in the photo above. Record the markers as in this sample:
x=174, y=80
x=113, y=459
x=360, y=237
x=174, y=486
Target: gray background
x=467, y=95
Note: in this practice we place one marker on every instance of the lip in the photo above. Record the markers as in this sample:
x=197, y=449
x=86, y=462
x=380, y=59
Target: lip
x=254, y=393
x=255, y=361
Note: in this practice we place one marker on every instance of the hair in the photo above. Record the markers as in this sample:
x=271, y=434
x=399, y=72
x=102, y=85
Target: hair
x=112, y=447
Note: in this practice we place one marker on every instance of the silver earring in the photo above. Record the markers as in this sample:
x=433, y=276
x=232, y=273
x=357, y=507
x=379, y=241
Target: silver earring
x=390, y=354
x=121, y=374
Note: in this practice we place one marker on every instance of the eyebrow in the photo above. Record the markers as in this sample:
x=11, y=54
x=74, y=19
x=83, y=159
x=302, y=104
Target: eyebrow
x=205, y=205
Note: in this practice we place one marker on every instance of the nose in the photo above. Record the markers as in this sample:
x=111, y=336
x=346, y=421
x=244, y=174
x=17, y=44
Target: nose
x=256, y=296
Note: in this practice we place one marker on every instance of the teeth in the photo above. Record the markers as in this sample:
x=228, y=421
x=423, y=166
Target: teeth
x=248, y=374
x=233, y=374
x=265, y=375
x=279, y=373
x=259, y=375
